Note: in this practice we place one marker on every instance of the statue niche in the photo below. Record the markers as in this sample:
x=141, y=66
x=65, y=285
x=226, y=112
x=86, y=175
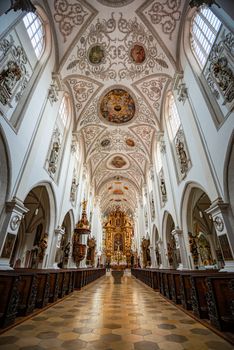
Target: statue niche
x=118, y=242
x=146, y=252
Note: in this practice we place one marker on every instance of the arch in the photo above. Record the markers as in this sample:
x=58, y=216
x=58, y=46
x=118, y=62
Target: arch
x=184, y=201
x=5, y=173
x=199, y=233
x=166, y=214
x=229, y=175
x=36, y=227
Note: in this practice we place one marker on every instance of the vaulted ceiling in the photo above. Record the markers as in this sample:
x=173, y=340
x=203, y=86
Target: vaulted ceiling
x=117, y=58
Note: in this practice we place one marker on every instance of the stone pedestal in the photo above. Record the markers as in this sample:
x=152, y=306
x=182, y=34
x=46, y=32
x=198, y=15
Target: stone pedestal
x=117, y=275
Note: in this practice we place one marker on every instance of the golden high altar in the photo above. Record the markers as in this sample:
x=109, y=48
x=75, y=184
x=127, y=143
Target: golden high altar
x=118, y=239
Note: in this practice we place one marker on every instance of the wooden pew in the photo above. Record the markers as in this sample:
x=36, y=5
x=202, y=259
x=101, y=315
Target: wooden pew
x=27, y=289
x=43, y=287
x=220, y=299
x=199, y=292
x=9, y=297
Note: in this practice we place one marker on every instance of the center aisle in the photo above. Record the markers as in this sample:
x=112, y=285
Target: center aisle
x=109, y=316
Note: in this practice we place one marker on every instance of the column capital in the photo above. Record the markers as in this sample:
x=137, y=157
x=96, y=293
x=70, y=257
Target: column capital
x=218, y=210
x=16, y=205
x=217, y=205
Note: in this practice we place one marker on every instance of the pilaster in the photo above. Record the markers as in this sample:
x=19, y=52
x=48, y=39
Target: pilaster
x=15, y=211
x=219, y=213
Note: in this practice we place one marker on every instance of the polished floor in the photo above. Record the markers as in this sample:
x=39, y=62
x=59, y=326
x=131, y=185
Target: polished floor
x=108, y=316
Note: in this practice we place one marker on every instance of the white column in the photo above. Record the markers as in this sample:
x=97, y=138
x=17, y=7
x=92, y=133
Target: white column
x=179, y=239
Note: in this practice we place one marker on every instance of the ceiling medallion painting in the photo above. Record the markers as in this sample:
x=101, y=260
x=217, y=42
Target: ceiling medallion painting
x=118, y=192
x=96, y=54
x=105, y=142
x=130, y=142
x=137, y=54
x=118, y=162
x=117, y=106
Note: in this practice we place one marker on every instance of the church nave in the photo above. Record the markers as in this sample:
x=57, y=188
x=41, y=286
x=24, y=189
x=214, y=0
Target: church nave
x=110, y=316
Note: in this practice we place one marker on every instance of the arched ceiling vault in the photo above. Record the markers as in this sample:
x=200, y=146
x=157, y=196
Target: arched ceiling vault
x=118, y=60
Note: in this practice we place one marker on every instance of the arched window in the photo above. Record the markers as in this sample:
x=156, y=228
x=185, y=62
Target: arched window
x=205, y=26
x=158, y=159
x=178, y=139
x=35, y=32
x=63, y=112
x=59, y=138
x=173, y=117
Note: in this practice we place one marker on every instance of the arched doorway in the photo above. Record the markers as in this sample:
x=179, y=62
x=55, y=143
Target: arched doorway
x=203, y=242
x=173, y=251
x=32, y=238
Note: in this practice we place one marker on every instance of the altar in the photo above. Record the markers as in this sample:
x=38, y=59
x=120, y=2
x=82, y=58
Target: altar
x=118, y=238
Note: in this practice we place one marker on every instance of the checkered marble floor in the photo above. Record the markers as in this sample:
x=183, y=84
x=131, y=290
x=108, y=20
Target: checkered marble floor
x=109, y=316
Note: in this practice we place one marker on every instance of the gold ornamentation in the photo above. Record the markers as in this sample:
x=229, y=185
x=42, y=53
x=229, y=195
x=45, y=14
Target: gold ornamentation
x=118, y=233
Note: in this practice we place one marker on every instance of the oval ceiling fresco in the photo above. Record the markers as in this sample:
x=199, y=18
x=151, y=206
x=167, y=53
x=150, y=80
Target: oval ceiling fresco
x=96, y=54
x=137, y=54
x=117, y=106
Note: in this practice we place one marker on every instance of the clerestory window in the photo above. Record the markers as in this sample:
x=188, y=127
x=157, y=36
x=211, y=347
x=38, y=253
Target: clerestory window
x=36, y=32
x=205, y=26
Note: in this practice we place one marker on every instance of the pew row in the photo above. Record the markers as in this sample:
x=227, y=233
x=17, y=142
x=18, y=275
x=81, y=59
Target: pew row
x=24, y=290
x=208, y=294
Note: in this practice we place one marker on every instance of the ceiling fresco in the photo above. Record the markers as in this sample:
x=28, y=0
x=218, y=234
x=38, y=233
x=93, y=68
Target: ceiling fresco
x=117, y=58
x=117, y=106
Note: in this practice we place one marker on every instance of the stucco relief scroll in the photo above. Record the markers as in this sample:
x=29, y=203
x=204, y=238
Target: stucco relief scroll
x=131, y=54
x=182, y=154
x=13, y=75
x=166, y=14
x=219, y=68
x=162, y=186
x=68, y=16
